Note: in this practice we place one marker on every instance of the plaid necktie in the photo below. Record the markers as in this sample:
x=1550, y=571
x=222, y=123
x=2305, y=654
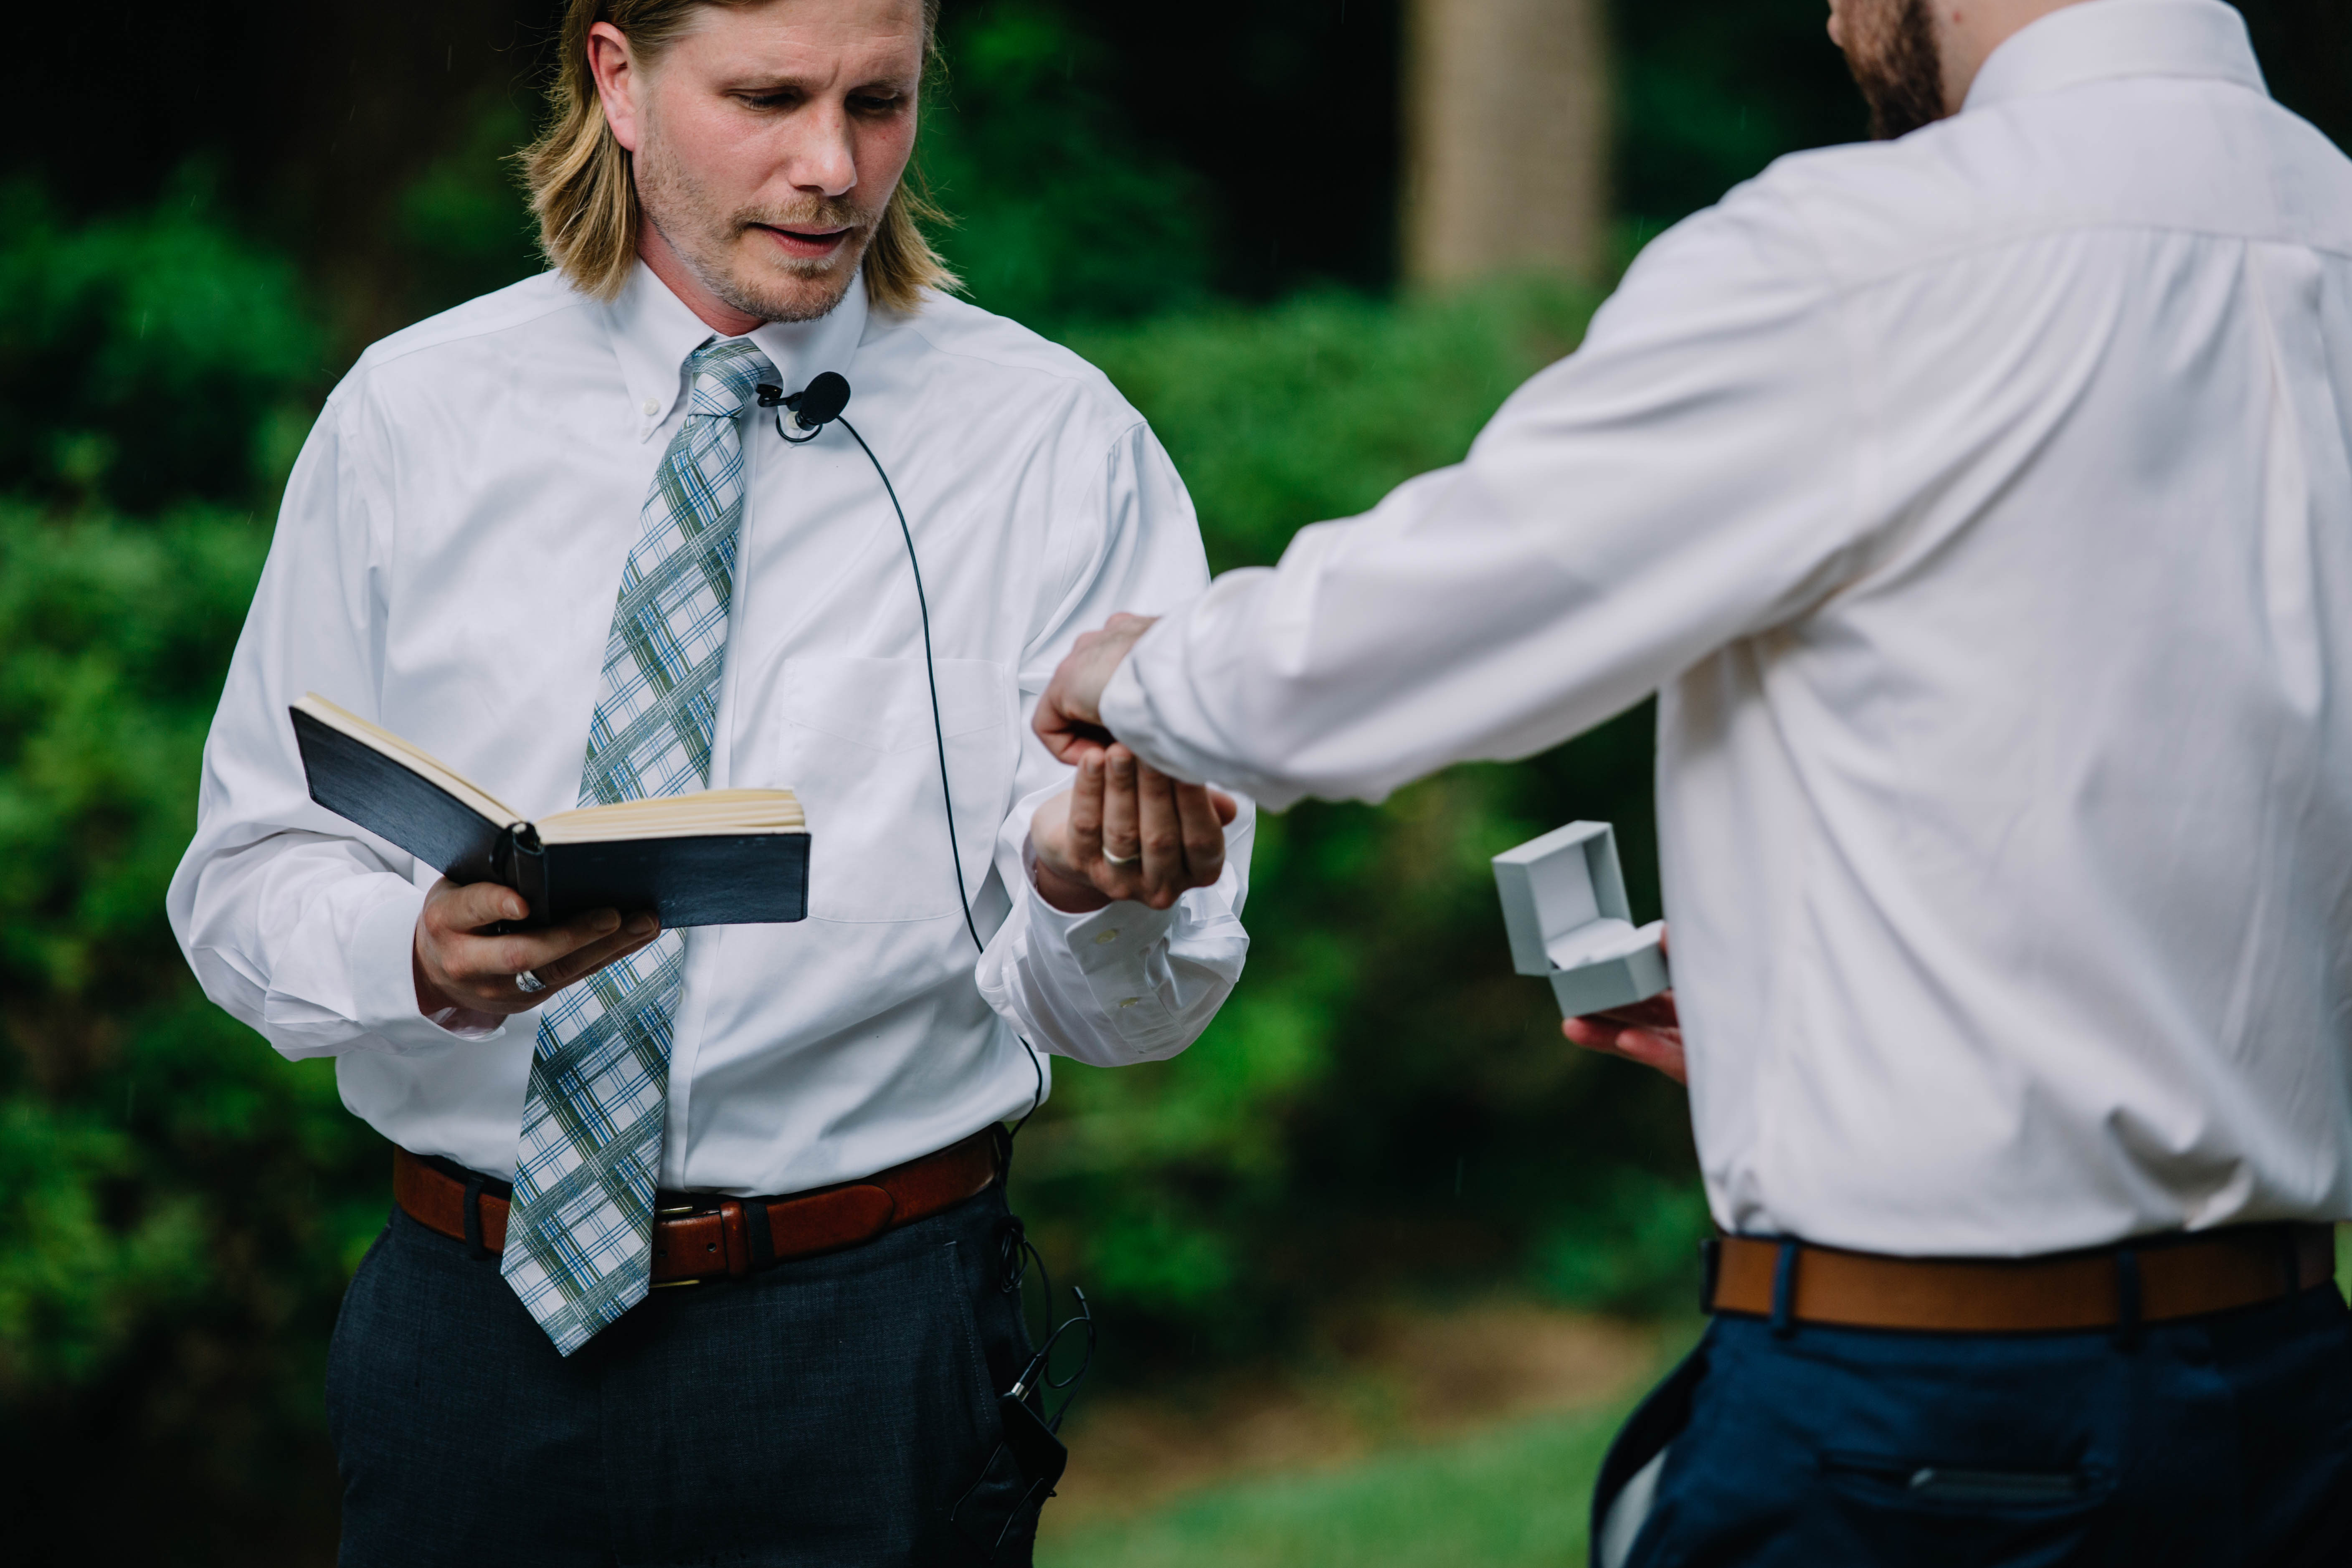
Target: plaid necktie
x=578, y=1248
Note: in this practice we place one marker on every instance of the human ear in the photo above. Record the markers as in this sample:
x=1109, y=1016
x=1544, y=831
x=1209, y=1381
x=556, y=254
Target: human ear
x=615, y=69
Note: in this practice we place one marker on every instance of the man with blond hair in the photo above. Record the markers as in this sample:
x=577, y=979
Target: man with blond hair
x=561, y=538
x=1979, y=503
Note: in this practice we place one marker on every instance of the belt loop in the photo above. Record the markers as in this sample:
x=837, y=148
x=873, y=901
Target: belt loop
x=1710, y=1263
x=732, y=1239
x=761, y=1237
x=1784, y=1291
x=474, y=1247
x=2127, y=1297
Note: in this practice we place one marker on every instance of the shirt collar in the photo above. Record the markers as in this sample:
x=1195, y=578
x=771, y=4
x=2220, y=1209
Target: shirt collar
x=2099, y=40
x=653, y=333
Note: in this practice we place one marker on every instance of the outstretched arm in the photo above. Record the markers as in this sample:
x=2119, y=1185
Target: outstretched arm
x=1688, y=479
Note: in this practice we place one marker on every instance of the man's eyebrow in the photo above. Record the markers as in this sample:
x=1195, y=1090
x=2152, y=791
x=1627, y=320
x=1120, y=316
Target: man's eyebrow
x=791, y=82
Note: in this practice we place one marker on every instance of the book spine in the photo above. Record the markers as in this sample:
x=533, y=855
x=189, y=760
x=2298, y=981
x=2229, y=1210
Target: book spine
x=523, y=865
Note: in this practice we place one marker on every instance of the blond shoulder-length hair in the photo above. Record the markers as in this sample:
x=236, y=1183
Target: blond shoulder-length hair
x=585, y=194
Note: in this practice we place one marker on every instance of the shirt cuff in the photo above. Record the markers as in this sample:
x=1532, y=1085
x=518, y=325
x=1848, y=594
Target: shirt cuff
x=384, y=982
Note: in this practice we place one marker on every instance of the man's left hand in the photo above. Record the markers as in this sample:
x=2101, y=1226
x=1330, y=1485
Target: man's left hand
x=1069, y=715
x=1126, y=830
x=1650, y=1033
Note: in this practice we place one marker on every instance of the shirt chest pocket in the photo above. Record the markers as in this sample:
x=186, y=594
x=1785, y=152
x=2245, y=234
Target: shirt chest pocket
x=866, y=765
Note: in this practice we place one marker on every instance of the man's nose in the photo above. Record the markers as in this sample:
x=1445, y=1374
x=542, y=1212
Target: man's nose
x=821, y=159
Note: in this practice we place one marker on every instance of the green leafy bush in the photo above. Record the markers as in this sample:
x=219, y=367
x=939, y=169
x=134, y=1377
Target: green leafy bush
x=177, y=1204
x=1061, y=215
x=149, y=359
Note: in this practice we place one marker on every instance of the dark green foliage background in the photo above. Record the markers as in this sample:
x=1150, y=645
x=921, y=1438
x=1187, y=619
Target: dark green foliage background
x=1383, y=1108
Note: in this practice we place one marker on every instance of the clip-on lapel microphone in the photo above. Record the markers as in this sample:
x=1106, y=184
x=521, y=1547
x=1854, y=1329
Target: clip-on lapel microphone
x=813, y=408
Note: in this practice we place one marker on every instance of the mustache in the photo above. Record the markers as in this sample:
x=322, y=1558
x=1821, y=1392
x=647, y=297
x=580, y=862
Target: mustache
x=829, y=213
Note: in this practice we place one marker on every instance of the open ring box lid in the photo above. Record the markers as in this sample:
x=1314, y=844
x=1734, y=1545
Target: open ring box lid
x=1564, y=905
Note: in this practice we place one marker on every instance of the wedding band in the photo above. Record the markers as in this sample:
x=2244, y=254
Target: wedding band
x=529, y=984
x=1111, y=859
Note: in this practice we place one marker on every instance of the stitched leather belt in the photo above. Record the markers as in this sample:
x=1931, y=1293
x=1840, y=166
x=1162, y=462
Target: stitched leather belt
x=2154, y=1280
x=701, y=1236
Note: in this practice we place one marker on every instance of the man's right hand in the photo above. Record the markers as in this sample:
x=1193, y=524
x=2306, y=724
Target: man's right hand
x=1069, y=714
x=459, y=964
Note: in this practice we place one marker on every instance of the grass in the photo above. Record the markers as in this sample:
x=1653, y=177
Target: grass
x=1507, y=1496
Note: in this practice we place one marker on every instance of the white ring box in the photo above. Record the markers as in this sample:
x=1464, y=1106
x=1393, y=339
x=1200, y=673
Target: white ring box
x=1564, y=905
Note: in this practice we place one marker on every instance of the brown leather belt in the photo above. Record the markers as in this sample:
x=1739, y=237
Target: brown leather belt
x=704, y=1235
x=2150, y=1281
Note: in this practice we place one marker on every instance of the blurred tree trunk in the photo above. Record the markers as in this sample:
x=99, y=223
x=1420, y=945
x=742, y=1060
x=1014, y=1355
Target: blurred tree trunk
x=1507, y=138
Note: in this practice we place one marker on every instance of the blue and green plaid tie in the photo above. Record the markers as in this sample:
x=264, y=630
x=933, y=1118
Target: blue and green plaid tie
x=578, y=1248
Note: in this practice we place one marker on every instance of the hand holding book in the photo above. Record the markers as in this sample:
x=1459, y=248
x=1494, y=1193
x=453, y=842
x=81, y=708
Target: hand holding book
x=526, y=907
x=467, y=958
x=725, y=857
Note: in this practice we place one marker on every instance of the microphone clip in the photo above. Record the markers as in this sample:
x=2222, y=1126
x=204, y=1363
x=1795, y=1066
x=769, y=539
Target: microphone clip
x=812, y=408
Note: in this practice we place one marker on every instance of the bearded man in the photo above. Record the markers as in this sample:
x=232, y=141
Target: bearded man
x=1979, y=504
x=555, y=524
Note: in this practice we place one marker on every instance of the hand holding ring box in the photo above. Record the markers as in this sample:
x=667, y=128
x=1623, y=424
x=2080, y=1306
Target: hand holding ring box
x=1564, y=905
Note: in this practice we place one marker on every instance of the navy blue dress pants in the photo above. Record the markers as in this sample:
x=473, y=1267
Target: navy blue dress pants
x=836, y=1410
x=2206, y=1443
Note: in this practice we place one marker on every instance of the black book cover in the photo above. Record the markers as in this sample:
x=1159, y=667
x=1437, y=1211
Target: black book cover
x=730, y=878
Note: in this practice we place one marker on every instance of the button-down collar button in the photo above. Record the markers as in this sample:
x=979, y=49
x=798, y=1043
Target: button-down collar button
x=1110, y=935
x=653, y=407
x=1129, y=1001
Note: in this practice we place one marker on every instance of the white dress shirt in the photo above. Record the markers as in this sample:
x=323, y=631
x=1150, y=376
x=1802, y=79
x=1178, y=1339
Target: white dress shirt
x=1978, y=505
x=446, y=565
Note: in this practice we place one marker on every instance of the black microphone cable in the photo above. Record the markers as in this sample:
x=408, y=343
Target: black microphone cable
x=813, y=408
x=820, y=404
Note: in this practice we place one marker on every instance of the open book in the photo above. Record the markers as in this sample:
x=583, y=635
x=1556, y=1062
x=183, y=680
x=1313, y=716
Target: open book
x=730, y=857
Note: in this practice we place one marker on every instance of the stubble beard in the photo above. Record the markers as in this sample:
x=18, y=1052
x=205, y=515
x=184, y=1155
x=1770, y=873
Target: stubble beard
x=710, y=243
x=1897, y=66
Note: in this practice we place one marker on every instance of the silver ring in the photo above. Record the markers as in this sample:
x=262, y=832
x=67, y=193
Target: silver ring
x=529, y=984
x=1111, y=859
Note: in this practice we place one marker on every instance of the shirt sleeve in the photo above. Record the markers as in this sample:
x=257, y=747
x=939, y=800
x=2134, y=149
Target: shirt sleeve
x=294, y=921
x=1126, y=983
x=1686, y=480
